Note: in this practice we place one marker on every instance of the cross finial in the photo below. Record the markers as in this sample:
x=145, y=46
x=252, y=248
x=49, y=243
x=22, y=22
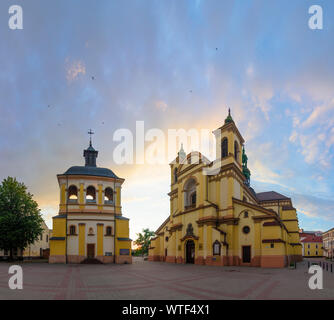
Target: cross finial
x=90, y=132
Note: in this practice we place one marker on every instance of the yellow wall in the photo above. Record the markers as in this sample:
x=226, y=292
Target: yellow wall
x=82, y=238
x=100, y=239
x=58, y=247
x=312, y=248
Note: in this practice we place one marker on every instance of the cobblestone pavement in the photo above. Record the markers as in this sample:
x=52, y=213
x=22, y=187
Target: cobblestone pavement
x=157, y=280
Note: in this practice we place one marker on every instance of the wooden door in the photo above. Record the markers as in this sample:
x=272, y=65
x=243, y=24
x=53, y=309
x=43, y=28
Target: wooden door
x=190, y=251
x=246, y=254
x=90, y=250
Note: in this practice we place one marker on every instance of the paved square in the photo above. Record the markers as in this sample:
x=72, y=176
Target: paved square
x=157, y=280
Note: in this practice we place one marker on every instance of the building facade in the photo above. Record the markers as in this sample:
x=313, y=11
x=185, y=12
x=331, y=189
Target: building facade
x=312, y=246
x=328, y=243
x=34, y=250
x=90, y=226
x=216, y=218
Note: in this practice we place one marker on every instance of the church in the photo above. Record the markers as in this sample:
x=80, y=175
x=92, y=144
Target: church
x=216, y=217
x=89, y=227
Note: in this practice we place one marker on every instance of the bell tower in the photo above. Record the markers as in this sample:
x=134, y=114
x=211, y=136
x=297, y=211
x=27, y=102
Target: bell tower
x=229, y=142
x=90, y=153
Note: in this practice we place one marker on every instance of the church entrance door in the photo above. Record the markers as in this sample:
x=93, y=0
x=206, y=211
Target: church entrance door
x=91, y=250
x=190, y=251
x=246, y=254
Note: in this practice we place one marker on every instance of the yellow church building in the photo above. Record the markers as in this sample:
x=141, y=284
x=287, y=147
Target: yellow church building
x=216, y=218
x=90, y=227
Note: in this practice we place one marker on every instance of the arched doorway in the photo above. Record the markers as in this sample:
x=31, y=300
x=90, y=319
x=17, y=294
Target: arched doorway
x=190, y=251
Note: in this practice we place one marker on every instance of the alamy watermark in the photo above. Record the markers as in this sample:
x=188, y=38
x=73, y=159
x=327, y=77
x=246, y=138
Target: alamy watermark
x=16, y=280
x=316, y=281
x=316, y=20
x=15, y=21
x=155, y=146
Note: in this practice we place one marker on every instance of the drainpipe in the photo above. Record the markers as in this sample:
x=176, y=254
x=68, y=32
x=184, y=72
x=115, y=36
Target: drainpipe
x=66, y=198
x=114, y=224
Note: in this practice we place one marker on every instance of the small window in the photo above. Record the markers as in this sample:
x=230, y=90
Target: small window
x=6, y=252
x=72, y=230
x=236, y=150
x=316, y=253
x=41, y=238
x=166, y=239
x=224, y=148
x=246, y=214
x=47, y=238
x=316, y=246
x=73, y=194
x=175, y=175
x=246, y=230
x=272, y=245
x=216, y=248
x=308, y=253
x=91, y=194
x=308, y=246
x=108, y=195
x=108, y=231
x=193, y=199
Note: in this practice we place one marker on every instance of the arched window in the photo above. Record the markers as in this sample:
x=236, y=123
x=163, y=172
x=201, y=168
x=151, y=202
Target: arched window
x=72, y=230
x=236, y=150
x=108, y=195
x=72, y=194
x=216, y=248
x=108, y=231
x=224, y=148
x=90, y=231
x=175, y=175
x=90, y=194
x=190, y=194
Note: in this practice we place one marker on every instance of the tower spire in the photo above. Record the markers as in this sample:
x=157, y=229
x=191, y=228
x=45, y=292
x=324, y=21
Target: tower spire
x=181, y=154
x=90, y=153
x=229, y=117
x=90, y=132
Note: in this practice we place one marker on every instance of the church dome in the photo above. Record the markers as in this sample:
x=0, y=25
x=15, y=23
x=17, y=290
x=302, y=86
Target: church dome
x=90, y=171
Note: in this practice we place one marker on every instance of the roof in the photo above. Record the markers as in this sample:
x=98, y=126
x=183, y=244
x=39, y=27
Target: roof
x=310, y=238
x=121, y=218
x=90, y=171
x=329, y=230
x=270, y=195
x=60, y=216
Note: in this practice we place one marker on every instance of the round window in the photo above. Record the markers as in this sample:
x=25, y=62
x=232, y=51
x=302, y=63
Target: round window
x=246, y=229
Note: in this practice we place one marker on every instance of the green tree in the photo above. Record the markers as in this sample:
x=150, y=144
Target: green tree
x=144, y=240
x=20, y=217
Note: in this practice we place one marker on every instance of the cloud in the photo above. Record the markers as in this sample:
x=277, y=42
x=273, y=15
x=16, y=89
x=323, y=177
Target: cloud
x=320, y=115
x=161, y=105
x=262, y=173
x=314, y=207
x=74, y=70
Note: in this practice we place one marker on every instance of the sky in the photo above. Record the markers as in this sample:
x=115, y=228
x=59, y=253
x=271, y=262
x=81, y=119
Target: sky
x=172, y=64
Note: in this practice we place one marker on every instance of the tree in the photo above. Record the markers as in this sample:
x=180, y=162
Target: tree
x=20, y=217
x=144, y=240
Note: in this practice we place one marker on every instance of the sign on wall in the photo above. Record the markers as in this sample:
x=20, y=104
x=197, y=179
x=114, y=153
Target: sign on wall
x=124, y=252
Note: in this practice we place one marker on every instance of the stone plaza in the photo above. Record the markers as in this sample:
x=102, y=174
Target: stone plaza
x=146, y=280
